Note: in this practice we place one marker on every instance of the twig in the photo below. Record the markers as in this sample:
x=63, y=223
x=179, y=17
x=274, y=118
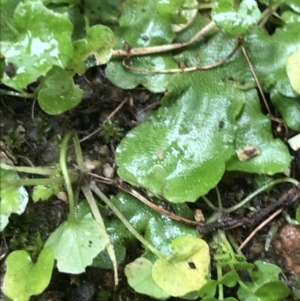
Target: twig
x=186, y=69
x=109, y=117
x=163, y=211
x=256, y=79
x=163, y=48
x=264, y=223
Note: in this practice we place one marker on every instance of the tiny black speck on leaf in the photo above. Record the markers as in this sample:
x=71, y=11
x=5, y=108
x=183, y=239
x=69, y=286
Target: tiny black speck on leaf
x=192, y=265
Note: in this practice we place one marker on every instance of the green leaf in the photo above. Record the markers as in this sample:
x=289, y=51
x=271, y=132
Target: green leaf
x=141, y=26
x=233, y=20
x=180, y=152
x=76, y=244
x=158, y=230
x=24, y=278
x=230, y=279
x=254, y=129
x=289, y=108
x=269, y=54
x=103, y=11
x=208, y=290
x=8, y=30
x=98, y=42
x=274, y=288
x=41, y=192
x=126, y=79
x=290, y=17
x=40, y=44
x=13, y=200
x=186, y=270
x=293, y=70
x=298, y=214
x=265, y=285
x=170, y=9
x=139, y=277
x=180, y=13
x=57, y=92
x=294, y=4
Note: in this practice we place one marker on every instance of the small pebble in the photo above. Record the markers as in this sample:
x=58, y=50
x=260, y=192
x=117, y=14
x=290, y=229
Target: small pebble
x=91, y=165
x=108, y=171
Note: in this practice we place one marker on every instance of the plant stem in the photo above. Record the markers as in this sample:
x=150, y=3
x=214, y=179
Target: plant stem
x=8, y=24
x=131, y=229
x=220, y=285
x=63, y=165
x=78, y=152
x=40, y=181
x=255, y=193
x=209, y=203
x=31, y=170
x=18, y=94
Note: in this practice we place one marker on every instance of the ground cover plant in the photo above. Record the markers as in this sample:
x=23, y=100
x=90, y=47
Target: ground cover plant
x=203, y=137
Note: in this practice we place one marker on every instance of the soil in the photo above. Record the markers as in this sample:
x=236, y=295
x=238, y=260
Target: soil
x=38, y=146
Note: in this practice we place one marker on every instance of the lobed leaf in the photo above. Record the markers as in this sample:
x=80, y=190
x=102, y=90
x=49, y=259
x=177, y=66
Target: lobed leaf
x=265, y=285
x=139, y=277
x=254, y=129
x=234, y=20
x=24, y=278
x=76, y=244
x=98, y=42
x=57, y=92
x=39, y=45
x=179, y=275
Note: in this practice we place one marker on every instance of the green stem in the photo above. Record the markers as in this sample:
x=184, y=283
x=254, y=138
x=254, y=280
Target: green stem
x=63, y=165
x=8, y=24
x=131, y=229
x=265, y=15
x=31, y=170
x=220, y=285
x=78, y=152
x=40, y=181
x=258, y=191
x=18, y=94
x=209, y=203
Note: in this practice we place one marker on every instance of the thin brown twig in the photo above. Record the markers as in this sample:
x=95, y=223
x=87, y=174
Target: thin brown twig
x=186, y=69
x=256, y=79
x=264, y=223
x=109, y=117
x=149, y=107
x=163, y=48
x=155, y=207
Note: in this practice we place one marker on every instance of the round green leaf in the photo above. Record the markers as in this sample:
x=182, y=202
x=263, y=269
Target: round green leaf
x=58, y=93
x=13, y=200
x=24, y=278
x=75, y=245
x=180, y=152
x=40, y=44
x=234, y=21
x=139, y=277
x=186, y=270
x=293, y=70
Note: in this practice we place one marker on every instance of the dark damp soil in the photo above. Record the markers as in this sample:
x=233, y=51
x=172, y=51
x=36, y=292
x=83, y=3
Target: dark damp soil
x=30, y=137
